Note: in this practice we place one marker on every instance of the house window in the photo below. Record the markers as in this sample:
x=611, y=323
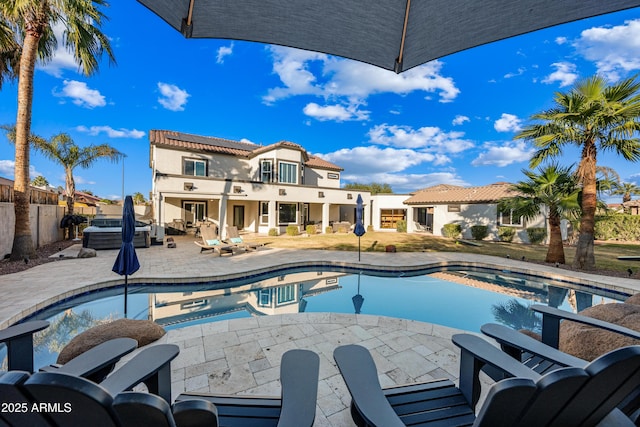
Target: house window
x=195, y=167
x=266, y=170
x=287, y=213
x=286, y=294
x=264, y=298
x=389, y=217
x=264, y=213
x=453, y=208
x=287, y=173
x=509, y=218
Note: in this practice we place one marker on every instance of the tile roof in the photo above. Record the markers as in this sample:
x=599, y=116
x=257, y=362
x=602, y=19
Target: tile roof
x=454, y=194
x=233, y=148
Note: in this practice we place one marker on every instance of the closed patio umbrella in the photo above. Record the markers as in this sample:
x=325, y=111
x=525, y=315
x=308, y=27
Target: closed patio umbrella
x=127, y=260
x=359, y=228
x=391, y=34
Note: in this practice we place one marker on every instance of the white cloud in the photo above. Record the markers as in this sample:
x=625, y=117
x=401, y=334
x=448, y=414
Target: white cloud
x=172, y=97
x=430, y=139
x=222, y=52
x=317, y=74
x=520, y=72
x=62, y=58
x=460, y=119
x=565, y=74
x=111, y=132
x=372, y=160
x=615, y=50
x=508, y=123
x=79, y=179
x=561, y=40
x=81, y=94
x=338, y=113
x=7, y=169
x=406, y=183
x=504, y=155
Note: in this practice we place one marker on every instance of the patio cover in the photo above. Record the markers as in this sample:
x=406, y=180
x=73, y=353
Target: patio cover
x=392, y=34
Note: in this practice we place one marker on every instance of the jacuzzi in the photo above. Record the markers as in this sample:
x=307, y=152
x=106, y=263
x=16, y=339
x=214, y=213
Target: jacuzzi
x=106, y=233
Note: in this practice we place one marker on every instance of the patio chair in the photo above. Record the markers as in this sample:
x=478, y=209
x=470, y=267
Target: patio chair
x=211, y=242
x=19, y=342
x=296, y=407
x=421, y=228
x=568, y=397
x=235, y=239
x=94, y=364
x=22, y=390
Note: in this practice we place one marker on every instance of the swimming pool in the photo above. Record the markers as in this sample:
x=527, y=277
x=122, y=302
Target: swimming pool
x=462, y=298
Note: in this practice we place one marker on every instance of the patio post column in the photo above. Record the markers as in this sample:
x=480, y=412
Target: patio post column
x=410, y=228
x=273, y=215
x=222, y=217
x=325, y=216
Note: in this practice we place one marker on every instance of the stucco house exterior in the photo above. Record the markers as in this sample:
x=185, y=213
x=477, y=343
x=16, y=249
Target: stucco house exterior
x=261, y=188
x=253, y=187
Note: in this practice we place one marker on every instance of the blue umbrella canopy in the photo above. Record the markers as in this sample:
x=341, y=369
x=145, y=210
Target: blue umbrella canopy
x=127, y=260
x=359, y=229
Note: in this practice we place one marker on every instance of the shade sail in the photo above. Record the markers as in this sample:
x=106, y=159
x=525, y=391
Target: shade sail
x=392, y=34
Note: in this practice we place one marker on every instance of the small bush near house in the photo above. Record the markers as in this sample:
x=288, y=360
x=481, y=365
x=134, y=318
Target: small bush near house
x=312, y=229
x=452, y=231
x=506, y=234
x=343, y=229
x=292, y=230
x=401, y=226
x=273, y=232
x=536, y=235
x=369, y=228
x=479, y=232
x=328, y=230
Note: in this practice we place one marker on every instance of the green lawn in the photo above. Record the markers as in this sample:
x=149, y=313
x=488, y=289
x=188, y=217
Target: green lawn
x=606, y=253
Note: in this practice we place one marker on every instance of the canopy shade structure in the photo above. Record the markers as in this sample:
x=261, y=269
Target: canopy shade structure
x=392, y=34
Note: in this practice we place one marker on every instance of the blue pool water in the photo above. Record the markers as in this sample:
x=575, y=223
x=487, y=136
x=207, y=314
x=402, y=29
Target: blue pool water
x=465, y=300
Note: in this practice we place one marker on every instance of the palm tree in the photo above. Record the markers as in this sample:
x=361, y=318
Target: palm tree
x=626, y=189
x=40, y=181
x=138, y=198
x=554, y=187
x=63, y=150
x=596, y=117
x=29, y=23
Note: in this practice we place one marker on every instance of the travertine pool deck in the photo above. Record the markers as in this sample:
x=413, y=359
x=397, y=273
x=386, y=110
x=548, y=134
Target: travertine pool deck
x=243, y=355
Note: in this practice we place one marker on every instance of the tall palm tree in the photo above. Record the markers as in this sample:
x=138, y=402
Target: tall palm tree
x=63, y=150
x=626, y=189
x=553, y=187
x=31, y=23
x=597, y=117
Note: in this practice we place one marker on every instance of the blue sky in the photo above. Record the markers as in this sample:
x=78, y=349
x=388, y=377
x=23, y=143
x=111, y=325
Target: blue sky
x=449, y=121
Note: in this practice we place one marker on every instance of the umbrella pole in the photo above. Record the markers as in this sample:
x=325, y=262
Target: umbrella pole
x=358, y=248
x=126, y=285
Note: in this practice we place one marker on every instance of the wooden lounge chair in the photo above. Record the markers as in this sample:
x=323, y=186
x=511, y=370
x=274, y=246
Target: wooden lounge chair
x=63, y=395
x=19, y=341
x=234, y=238
x=94, y=364
x=296, y=407
x=569, y=397
x=211, y=242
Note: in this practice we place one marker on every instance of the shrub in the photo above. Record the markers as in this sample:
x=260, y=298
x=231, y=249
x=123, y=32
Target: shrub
x=452, y=231
x=369, y=228
x=479, y=232
x=343, y=229
x=617, y=227
x=506, y=234
x=312, y=229
x=536, y=235
x=401, y=226
x=274, y=232
x=328, y=229
x=292, y=230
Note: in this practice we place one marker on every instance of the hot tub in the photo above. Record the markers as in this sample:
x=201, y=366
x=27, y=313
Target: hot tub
x=106, y=233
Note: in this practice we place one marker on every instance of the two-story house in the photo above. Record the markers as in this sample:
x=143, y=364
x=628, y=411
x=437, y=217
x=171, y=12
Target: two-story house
x=253, y=187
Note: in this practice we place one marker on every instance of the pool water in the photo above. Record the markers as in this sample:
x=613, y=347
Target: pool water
x=459, y=299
